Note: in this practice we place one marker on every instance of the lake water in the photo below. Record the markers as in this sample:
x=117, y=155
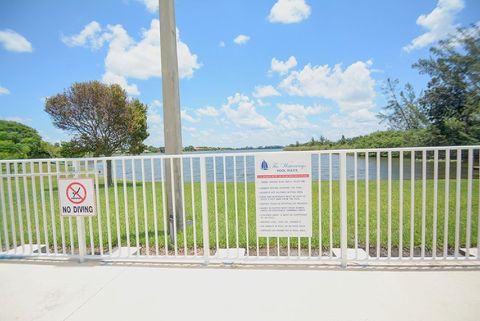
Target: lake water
x=238, y=162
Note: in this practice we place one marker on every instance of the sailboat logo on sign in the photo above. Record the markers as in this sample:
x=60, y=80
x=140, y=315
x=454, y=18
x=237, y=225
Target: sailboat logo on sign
x=264, y=165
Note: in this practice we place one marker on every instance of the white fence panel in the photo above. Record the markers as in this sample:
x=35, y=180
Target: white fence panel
x=398, y=204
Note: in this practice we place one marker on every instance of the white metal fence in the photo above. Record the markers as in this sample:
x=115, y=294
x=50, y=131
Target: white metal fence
x=398, y=204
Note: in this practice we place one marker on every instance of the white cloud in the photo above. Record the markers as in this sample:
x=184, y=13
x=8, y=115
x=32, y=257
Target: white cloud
x=235, y=121
x=282, y=67
x=91, y=37
x=201, y=137
x=155, y=124
x=13, y=41
x=261, y=103
x=364, y=115
x=208, y=111
x=352, y=88
x=153, y=115
x=265, y=91
x=141, y=60
x=127, y=58
x=259, y=137
x=439, y=23
x=156, y=103
x=112, y=78
x=349, y=126
x=151, y=5
x=289, y=11
x=294, y=116
x=221, y=44
x=241, y=111
x=241, y=39
x=187, y=117
x=4, y=91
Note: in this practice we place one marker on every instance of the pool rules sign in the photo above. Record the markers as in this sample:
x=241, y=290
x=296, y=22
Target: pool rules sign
x=76, y=197
x=283, y=191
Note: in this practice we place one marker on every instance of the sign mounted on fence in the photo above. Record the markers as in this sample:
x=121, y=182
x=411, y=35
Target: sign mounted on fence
x=283, y=193
x=76, y=197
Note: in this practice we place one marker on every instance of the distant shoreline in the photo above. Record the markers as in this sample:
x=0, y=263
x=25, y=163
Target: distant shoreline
x=200, y=149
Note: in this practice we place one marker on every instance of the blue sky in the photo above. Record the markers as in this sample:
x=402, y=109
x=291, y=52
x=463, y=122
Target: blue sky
x=252, y=72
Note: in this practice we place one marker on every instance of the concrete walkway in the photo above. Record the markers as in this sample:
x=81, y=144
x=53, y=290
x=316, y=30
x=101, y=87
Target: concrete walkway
x=69, y=291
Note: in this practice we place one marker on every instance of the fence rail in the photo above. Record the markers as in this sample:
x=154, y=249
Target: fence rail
x=398, y=204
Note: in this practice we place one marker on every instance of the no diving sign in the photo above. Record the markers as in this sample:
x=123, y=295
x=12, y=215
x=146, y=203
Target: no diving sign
x=77, y=197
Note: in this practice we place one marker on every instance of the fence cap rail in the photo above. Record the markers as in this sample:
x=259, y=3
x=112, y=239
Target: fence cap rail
x=241, y=154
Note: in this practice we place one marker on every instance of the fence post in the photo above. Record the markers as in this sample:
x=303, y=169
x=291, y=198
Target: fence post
x=82, y=246
x=343, y=207
x=203, y=185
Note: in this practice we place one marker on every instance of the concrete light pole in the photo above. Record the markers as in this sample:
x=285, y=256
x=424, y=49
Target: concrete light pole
x=171, y=114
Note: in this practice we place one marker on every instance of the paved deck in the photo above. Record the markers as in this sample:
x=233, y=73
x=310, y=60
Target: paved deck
x=70, y=291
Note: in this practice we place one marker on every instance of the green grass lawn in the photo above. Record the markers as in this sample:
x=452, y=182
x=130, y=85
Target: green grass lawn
x=118, y=220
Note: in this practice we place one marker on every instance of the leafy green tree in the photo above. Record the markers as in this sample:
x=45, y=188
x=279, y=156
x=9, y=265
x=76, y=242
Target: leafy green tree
x=452, y=98
x=153, y=149
x=391, y=139
x=21, y=141
x=402, y=111
x=102, y=119
x=323, y=141
x=71, y=149
x=378, y=139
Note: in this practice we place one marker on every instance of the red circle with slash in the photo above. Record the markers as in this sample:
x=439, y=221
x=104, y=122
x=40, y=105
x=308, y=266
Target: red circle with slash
x=76, y=193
